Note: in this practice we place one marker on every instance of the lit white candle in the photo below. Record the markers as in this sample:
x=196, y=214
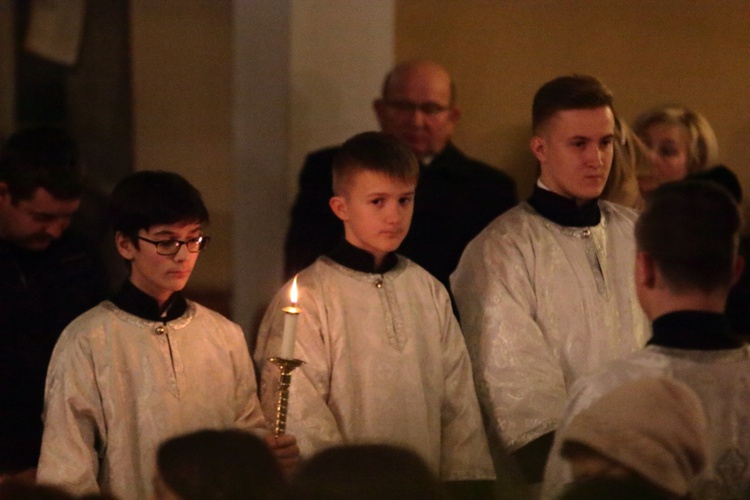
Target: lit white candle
x=291, y=314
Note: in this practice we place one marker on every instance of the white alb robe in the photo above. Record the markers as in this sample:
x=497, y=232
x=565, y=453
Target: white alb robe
x=542, y=304
x=720, y=378
x=385, y=362
x=116, y=388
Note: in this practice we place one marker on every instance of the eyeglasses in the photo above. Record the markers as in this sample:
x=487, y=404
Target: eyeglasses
x=426, y=108
x=171, y=247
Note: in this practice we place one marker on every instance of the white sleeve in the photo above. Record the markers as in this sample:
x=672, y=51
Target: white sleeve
x=519, y=380
x=74, y=430
x=464, y=451
x=309, y=418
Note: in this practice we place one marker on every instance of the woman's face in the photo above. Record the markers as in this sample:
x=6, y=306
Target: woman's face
x=670, y=144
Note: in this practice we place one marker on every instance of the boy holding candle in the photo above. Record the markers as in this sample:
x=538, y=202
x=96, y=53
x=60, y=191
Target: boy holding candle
x=149, y=364
x=384, y=358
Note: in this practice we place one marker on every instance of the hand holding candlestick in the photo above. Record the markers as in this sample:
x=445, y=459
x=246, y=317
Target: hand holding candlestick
x=285, y=361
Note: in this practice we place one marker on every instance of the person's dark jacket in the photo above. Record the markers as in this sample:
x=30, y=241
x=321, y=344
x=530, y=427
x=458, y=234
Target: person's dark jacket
x=40, y=293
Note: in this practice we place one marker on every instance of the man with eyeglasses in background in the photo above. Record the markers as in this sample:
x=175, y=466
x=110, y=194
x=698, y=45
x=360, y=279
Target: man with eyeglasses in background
x=456, y=196
x=48, y=276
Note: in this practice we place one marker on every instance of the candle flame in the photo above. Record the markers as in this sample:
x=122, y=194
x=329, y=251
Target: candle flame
x=293, y=292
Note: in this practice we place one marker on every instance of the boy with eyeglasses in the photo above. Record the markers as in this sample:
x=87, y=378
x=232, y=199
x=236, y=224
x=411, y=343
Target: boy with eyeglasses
x=148, y=364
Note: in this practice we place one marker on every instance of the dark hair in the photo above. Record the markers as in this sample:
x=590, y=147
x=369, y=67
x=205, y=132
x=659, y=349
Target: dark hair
x=366, y=472
x=568, y=92
x=691, y=230
x=723, y=177
x=219, y=465
x=148, y=198
x=41, y=157
x=376, y=152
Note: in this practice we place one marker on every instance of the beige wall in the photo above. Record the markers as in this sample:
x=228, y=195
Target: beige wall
x=647, y=52
x=181, y=63
x=340, y=51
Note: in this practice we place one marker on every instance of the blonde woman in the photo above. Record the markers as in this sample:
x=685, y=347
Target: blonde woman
x=682, y=140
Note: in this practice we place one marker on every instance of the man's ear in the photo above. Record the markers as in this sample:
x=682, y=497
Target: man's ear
x=125, y=246
x=539, y=148
x=739, y=267
x=338, y=205
x=454, y=114
x=645, y=270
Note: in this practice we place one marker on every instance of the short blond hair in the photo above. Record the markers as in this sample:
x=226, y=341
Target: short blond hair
x=376, y=152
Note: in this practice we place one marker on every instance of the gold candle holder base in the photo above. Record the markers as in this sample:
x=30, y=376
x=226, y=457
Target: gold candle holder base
x=286, y=366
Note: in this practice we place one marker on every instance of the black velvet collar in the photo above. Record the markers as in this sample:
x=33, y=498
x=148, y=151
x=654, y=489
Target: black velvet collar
x=696, y=330
x=134, y=301
x=564, y=211
x=355, y=258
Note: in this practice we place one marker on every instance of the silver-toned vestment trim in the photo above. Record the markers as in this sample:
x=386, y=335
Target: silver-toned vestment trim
x=394, y=323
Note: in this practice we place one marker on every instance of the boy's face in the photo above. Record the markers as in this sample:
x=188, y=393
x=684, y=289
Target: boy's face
x=575, y=149
x=160, y=275
x=376, y=210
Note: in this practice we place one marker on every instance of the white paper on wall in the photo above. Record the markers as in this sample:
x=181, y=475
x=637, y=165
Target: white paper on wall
x=55, y=29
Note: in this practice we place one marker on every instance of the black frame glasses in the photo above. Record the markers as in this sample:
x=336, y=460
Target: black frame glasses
x=171, y=247
x=426, y=108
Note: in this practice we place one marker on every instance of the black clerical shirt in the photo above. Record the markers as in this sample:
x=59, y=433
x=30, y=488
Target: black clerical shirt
x=565, y=211
x=134, y=301
x=695, y=330
x=355, y=258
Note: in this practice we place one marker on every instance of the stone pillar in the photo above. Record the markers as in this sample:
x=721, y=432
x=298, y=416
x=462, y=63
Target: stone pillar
x=304, y=76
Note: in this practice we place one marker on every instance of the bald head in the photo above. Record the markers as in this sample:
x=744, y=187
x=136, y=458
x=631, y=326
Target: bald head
x=421, y=69
x=418, y=106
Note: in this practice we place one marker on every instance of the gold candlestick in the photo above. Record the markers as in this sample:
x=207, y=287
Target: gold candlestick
x=286, y=366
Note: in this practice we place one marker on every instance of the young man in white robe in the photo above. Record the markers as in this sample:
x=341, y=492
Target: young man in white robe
x=687, y=261
x=384, y=358
x=148, y=364
x=545, y=292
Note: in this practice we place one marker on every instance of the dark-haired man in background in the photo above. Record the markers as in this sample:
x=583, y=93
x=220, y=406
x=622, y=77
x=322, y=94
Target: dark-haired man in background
x=48, y=276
